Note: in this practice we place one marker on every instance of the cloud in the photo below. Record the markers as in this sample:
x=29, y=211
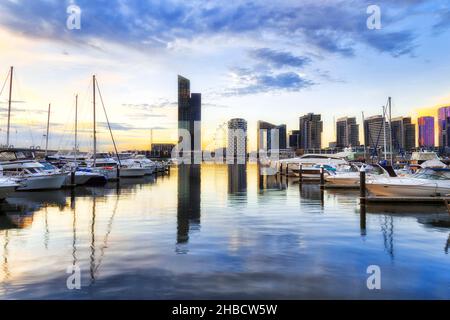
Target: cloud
x=279, y=59
x=335, y=27
x=444, y=21
x=253, y=82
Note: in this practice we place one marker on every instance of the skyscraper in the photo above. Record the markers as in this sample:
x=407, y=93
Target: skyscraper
x=189, y=112
x=444, y=126
x=266, y=132
x=237, y=139
x=403, y=134
x=347, y=132
x=294, y=139
x=426, y=132
x=373, y=132
x=311, y=127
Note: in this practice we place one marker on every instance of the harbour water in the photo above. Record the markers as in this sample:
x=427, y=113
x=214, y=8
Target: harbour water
x=219, y=231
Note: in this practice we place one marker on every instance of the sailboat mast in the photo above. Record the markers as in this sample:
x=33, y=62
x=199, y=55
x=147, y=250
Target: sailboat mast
x=76, y=130
x=390, y=130
x=384, y=132
x=48, y=127
x=95, y=133
x=9, y=105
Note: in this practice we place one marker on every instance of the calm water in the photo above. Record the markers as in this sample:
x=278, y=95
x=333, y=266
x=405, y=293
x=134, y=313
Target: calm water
x=218, y=232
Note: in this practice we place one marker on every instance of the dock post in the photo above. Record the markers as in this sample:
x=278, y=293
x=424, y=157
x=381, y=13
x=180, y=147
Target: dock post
x=72, y=178
x=287, y=169
x=322, y=177
x=300, y=173
x=362, y=185
x=118, y=173
x=281, y=169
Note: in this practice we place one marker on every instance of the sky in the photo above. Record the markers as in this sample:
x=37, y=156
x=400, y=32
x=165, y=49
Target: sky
x=258, y=60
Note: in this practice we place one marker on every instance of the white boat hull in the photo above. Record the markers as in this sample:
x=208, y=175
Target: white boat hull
x=42, y=182
x=427, y=189
x=132, y=172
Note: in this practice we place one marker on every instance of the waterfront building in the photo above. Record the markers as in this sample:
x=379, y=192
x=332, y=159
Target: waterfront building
x=444, y=126
x=189, y=113
x=237, y=138
x=426, y=132
x=266, y=132
x=403, y=134
x=347, y=132
x=162, y=150
x=294, y=139
x=311, y=128
x=373, y=132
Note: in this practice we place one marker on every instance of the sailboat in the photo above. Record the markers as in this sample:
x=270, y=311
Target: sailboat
x=21, y=164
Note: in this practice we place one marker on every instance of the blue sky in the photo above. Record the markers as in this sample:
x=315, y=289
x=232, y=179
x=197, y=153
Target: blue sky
x=267, y=60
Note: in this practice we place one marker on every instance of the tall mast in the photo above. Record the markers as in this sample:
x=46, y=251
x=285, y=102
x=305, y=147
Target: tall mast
x=48, y=127
x=390, y=130
x=384, y=132
x=9, y=105
x=76, y=130
x=364, y=128
x=95, y=133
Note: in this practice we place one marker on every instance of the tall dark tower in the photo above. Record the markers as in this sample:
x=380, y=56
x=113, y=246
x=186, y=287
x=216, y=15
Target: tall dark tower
x=189, y=112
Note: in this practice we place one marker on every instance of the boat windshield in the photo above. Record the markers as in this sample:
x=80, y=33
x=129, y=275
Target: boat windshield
x=433, y=175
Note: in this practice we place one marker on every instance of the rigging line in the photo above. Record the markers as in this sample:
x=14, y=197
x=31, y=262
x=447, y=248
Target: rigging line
x=107, y=121
x=4, y=83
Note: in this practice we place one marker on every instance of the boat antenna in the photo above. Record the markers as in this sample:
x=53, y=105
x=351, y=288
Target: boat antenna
x=390, y=130
x=109, y=126
x=11, y=72
x=48, y=127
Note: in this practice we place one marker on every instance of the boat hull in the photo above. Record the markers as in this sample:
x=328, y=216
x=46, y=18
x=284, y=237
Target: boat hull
x=6, y=191
x=132, y=172
x=44, y=182
x=400, y=190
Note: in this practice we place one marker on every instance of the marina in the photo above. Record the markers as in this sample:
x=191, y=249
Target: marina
x=219, y=231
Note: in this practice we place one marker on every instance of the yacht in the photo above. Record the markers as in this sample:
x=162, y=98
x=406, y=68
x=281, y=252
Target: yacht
x=425, y=183
x=7, y=187
x=146, y=163
x=20, y=165
x=103, y=164
x=129, y=167
x=310, y=164
x=349, y=175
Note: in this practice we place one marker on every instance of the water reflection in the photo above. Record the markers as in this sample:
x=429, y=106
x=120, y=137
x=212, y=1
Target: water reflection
x=237, y=178
x=188, y=204
x=263, y=237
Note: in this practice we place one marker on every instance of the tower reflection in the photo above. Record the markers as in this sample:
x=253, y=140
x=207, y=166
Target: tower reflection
x=188, y=206
x=237, y=178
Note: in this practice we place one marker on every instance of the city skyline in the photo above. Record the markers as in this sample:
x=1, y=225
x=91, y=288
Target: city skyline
x=245, y=67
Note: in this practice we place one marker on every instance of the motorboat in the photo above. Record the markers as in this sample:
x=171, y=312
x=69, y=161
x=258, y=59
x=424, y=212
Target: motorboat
x=310, y=164
x=129, y=167
x=349, y=175
x=103, y=164
x=146, y=163
x=7, y=187
x=20, y=165
x=425, y=183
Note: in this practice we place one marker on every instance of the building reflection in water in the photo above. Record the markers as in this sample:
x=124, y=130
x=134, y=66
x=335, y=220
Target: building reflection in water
x=269, y=181
x=188, y=206
x=237, y=178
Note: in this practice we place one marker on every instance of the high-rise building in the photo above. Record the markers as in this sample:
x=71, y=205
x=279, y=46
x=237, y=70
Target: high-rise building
x=189, y=112
x=444, y=126
x=403, y=134
x=426, y=132
x=266, y=132
x=347, y=132
x=237, y=138
x=311, y=127
x=373, y=132
x=294, y=139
